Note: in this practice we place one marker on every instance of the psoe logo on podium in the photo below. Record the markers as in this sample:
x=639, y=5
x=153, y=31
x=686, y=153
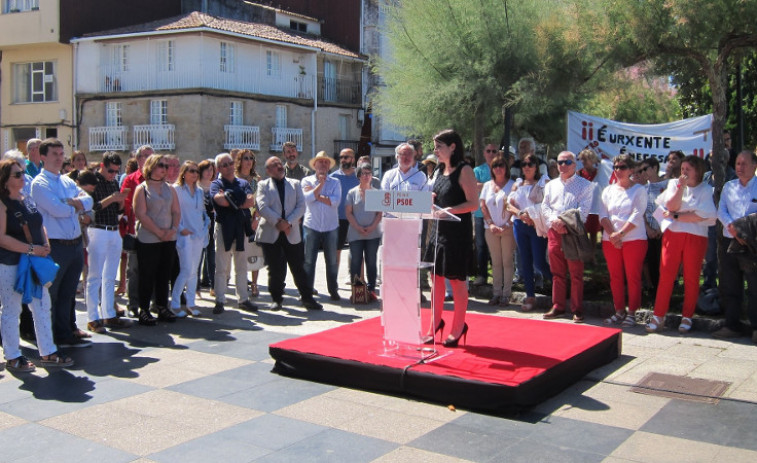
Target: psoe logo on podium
x=398, y=201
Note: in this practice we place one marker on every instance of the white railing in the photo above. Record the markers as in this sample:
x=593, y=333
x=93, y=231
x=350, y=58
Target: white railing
x=242, y=137
x=193, y=75
x=159, y=136
x=282, y=135
x=108, y=138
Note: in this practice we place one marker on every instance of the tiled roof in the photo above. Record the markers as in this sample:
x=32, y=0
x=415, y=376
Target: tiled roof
x=198, y=20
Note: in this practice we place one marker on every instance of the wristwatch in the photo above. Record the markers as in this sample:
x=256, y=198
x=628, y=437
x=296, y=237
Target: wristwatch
x=675, y=216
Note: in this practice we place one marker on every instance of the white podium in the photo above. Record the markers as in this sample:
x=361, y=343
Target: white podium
x=404, y=233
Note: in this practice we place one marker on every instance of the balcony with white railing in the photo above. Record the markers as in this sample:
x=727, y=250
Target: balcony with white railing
x=246, y=80
x=242, y=137
x=282, y=135
x=159, y=136
x=108, y=138
x=17, y=6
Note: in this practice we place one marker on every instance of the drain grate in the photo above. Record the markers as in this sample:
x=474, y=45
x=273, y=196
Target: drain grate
x=681, y=387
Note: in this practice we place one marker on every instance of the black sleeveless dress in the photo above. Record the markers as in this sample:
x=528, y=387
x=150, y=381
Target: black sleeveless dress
x=454, y=246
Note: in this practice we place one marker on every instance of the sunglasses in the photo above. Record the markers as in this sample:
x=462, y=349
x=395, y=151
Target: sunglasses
x=246, y=158
x=193, y=171
x=620, y=167
x=345, y=157
x=18, y=174
x=527, y=164
x=161, y=165
x=494, y=166
x=566, y=162
x=224, y=165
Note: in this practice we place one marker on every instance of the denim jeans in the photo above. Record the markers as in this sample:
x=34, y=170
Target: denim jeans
x=190, y=253
x=104, y=256
x=532, y=253
x=313, y=240
x=369, y=250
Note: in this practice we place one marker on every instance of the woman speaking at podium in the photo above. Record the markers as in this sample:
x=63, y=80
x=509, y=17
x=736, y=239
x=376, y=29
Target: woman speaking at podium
x=454, y=191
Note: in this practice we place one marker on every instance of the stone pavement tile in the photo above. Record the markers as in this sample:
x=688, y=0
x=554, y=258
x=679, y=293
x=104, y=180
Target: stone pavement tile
x=617, y=460
x=411, y=455
x=8, y=421
x=661, y=364
x=566, y=399
x=694, y=352
x=735, y=455
x=334, y=446
x=615, y=368
x=35, y=443
x=204, y=449
x=62, y=393
x=270, y=432
x=143, y=460
x=326, y=411
x=580, y=436
x=241, y=350
x=179, y=366
x=614, y=405
x=666, y=340
x=528, y=452
x=727, y=369
x=729, y=423
x=739, y=351
x=464, y=442
x=390, y=425
x=656, y=448
x=399, y=404
x=276, y=394
x=227, y=382
x=151, y=422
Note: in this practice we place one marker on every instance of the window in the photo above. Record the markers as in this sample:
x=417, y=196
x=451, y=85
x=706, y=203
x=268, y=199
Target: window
x=344, y=127
x=272, y=64
x=281, y=116
x=120, y=57
x=236, y=113
x=34, y=82
x=158, y=112
x=298, y=26
x=329, y=81
x=166, y=55
x=228, y=52
x=16, y=6
x=113, y=114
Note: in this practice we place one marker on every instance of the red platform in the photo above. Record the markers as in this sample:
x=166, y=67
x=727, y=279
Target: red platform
x=506, y=363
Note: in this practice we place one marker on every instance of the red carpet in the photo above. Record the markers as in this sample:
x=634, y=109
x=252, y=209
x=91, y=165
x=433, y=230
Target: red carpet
x=506, y=362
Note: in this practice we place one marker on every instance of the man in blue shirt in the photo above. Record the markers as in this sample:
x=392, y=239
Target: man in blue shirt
x=33, y=163
x=348, y=180
x=61, y=201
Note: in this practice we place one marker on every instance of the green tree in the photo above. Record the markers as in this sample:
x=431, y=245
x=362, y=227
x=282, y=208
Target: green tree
x=697, y=35
x=457, y=63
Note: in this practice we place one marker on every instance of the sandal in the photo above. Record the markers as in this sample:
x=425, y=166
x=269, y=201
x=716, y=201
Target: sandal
x=254, y=290
x=194, y=311
x=55, y=360
x=617, y=318
x=685, y=325
x=629, y=321
x=19, y=365
x=656, y=324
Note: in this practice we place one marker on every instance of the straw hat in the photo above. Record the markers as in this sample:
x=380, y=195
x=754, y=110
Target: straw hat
x=430, y=159
x=322, y=155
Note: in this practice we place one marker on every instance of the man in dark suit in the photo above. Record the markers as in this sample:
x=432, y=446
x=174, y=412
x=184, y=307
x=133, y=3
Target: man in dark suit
x=281, y=204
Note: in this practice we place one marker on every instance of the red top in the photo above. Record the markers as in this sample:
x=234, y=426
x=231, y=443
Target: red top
x=131, y=181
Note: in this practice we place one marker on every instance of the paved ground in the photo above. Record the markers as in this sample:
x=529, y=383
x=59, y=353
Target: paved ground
x=202, y=390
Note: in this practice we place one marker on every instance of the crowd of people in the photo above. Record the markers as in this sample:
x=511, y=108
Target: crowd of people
x=175, y=228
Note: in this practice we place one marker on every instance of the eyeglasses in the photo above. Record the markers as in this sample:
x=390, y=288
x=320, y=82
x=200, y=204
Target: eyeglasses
x=161, y=165
x=247, y=158
x=565, y=162
x=193, y=171
x=527, y=164
x=366, y=172
x=224, y=165
x=114, y=171
x=620, y=167
x=18, y=174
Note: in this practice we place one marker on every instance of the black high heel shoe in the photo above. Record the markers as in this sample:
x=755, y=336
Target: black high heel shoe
x=146, y=318
x=430, y=339
x=453, y=342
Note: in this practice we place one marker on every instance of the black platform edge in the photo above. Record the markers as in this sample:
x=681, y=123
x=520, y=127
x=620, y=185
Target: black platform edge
x=447, y=390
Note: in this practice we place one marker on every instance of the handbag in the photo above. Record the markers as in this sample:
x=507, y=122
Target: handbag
x=359, y=291
x=129, y=242
x=43, y=269
x=255, y=259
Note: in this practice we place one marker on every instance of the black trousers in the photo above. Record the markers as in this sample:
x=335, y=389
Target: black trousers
x=732, y=289
x=278, y=255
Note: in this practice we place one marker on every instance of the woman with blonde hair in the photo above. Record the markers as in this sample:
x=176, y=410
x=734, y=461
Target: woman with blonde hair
x=192, y=237
x=244, y=168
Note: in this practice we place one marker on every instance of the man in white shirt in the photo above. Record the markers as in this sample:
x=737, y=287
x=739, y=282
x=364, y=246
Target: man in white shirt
x=568, y=191
x=321, y=224
x=406, y=175
x=738, y=199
